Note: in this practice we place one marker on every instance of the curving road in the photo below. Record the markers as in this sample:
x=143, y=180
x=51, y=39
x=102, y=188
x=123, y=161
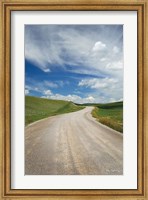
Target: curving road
x=72, y=144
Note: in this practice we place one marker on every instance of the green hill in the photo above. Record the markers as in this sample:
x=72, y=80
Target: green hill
x=110, y=114
x=39, y=108
x=104, y=105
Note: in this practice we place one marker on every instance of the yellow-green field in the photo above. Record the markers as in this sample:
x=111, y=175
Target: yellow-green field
x=39, y=108
x=110, y=114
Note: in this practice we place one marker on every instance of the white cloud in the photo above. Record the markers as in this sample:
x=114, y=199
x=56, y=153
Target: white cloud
x=26, y=91
x=70, y=97
x=40, y=86
x=90, y=99
x=62, y=83
x=46, y=70
x=112, y=100
x=32, y=88
x=73, y=45
x=36, y=89
x=99, y=46
x=92, y=50
x=50, y=84
x=104, y=89
x=81, y=100
x=115, y=65
x=115, y=49
x=47, y=92
x=95, y=83
x=103, y=59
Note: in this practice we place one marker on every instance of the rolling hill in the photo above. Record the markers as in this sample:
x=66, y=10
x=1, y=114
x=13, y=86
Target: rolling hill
x=110, y=114
x=39, y=108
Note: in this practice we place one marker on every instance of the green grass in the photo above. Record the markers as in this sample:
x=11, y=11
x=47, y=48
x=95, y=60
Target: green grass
x=39, y=108
x=110, y=114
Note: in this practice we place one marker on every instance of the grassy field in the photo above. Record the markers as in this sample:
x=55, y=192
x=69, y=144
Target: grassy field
x=39, y=108
x=110, y=114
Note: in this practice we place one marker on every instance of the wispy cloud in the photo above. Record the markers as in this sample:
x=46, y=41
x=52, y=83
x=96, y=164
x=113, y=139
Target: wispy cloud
x=77, y=49
x=81, y=46
x=97, y=83
x=50, y=84
x=40, y=86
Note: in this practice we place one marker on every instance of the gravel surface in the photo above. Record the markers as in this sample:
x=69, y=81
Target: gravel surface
x=72, y=144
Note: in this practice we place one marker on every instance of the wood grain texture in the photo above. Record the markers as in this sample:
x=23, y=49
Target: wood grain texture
x=5, y=7
x=146, y=102
x=1, y=104
x=76, y=1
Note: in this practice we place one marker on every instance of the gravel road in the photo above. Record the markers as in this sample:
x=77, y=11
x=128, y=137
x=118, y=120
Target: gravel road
x=72, y=144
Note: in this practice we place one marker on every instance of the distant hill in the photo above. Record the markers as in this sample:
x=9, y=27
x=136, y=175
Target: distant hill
x=104, y=105
x=39, y=108
x=111, y=105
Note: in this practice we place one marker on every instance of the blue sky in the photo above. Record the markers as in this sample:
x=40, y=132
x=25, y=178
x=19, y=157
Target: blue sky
x=79, y=63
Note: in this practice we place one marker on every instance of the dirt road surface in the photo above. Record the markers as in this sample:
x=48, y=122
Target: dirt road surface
x=72, y=144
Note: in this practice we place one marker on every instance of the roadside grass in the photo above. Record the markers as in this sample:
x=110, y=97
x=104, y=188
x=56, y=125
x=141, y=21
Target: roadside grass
x=39, y=108
x=110, y=114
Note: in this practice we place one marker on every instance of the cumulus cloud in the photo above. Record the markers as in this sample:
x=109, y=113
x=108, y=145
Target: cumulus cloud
x=70, y=97
x=92, y=50
x=99, y=46
x=47, y=92
x=80, y=46
x=104, y=89
x=90, y=99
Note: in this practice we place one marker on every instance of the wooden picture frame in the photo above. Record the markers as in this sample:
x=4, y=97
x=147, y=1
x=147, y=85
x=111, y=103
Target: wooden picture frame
x=6, y=6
